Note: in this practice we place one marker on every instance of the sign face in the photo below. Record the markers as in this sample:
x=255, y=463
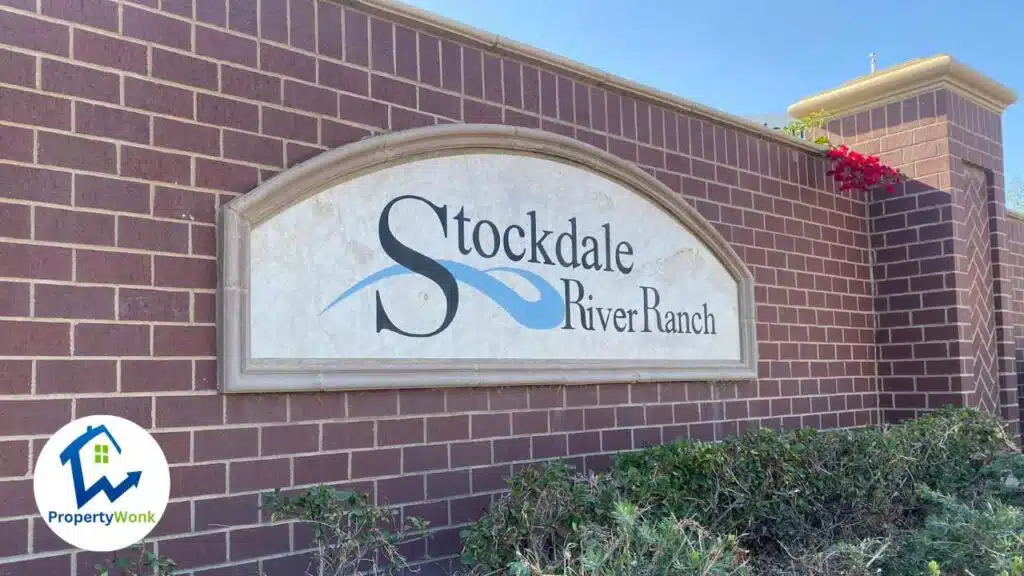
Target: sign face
x=480, y=265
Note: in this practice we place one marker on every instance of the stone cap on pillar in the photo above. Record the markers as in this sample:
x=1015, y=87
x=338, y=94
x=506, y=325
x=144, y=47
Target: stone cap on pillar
x=905, y=80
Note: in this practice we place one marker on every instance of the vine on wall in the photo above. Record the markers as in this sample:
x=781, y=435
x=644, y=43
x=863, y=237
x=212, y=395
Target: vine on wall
x=852, y=171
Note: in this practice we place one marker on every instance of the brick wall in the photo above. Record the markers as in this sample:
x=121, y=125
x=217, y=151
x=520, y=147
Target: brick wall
x=942, y=289
x=124, y=126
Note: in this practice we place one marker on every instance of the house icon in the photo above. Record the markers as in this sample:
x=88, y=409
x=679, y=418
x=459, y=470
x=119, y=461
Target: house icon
x=101, y=455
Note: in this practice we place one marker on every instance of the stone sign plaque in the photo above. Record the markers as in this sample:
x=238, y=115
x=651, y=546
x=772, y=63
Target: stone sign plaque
x=471, y=255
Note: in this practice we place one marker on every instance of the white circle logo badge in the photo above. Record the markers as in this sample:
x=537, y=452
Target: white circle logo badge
x=102, y=483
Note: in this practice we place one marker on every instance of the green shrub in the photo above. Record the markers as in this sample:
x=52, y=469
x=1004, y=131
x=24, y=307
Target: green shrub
x=808, y=489
x=635, y=545
x=816, y=502
x=986, y=540
x=541, y=512
x=350, y=533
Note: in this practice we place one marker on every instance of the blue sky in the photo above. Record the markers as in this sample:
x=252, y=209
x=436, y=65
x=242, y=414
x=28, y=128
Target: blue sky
x=756, y=57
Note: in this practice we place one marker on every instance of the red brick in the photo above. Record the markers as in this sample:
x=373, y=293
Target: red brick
x=35, y=109
x=402, y=119
x=156, y=375
x=310, y=98
x=13, y=537
x=44, y=566
x=286, y=62
x=362, y=110
x=159, y=98
x=490, y=425
x=14, y=459
x=259, y=541
x=204, y=240
x=335, y=135
x=321, y=468
x=447, y=484
x=227, y=511
x=440, y=103
x=345, y=435
x=225, y=46
x=148, y=164
x=250, y=85
x=224, y=112
x=176, y=519
x=405, y=431
x=226, y=444
x=15, y=377
x=25, y=417
x=153, y=305
x=111, y=340
x=181, y=8
x=73, y=152
x=186, y=136
x=34, y=184
x=372, y=403
x=274, y=20
x=157, y=28
x=80, y=81
x=175, y=272
x=17, y=68
x=16, y=144
x=196, y=550
x=329, y=38
x=182, y=69
x=112, y=267
x=14, y=298
x=15, y=221
x=76, y=376
x=252, y=408
x=225, y=176
x=108, y=123
x=29, y=261
x=260, y=474
x=64, y=301
x=184, y=341
x=344, y=78
x=242, y=17
x=292, y=439
x=290, y=125
x=33, y=34
x=176, y=411
x=372, y=463
x=97, y=13
x=204, y=308
x=423, y=458
x=184, y=205
x=149, y=234
x=75, y=227
x=253, y=148
x=110, y=194
x=470, y=454
x=297, y=153
x=357, y=38
x=110, y=51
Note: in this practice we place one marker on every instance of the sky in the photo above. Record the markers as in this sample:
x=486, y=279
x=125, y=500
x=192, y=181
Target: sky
x=756, y=57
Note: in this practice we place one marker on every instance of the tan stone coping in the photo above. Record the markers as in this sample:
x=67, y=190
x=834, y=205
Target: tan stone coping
x=897, y=82
x=404, y=13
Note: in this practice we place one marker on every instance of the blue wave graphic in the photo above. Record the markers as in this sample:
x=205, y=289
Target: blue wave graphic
x=544, y=313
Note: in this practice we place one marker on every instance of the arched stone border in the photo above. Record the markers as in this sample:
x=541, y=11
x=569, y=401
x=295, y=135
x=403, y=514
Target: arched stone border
x=239, y=373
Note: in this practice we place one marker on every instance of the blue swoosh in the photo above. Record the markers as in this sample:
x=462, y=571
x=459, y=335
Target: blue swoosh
x=544, y=313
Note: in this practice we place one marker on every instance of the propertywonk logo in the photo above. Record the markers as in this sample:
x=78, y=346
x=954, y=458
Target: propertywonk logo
x=101, y=483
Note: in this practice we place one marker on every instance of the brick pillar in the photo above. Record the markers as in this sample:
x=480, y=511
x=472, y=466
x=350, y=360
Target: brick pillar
x=942, y=300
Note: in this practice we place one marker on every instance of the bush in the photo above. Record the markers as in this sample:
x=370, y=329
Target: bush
x=640, y=546
x=804, y=502
x=987, y=540
x=350, y=534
